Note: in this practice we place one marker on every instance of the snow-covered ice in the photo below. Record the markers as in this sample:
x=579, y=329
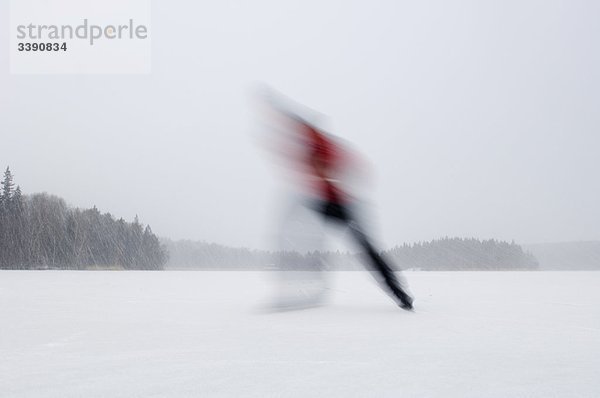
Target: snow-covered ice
x=203, y=334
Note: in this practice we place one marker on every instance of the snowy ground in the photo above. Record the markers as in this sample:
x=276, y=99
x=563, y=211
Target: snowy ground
x=202, y=334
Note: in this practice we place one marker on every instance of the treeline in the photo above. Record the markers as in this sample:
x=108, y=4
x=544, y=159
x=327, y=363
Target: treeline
x=463, y=254
x=187, y=254
x=442, y=254
x=40, y=231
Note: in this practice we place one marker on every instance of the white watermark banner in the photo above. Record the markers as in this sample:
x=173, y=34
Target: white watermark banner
x=80, y=36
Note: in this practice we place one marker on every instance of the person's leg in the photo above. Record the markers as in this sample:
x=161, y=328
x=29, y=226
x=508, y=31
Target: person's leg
x=300, y=282
x=382, y=267
x=343, y=214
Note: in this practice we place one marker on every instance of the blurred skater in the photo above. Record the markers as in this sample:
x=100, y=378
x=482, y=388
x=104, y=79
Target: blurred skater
x=320, y=161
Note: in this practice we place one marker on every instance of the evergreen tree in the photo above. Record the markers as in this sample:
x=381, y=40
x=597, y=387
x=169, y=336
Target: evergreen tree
x=17, y=227
x=7, y=186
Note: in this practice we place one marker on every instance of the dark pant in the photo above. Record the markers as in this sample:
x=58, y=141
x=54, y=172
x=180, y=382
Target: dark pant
x=342, y=214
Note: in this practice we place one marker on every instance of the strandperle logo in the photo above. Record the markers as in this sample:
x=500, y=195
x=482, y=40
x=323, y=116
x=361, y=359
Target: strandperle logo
x=85, y=31
x=80, y=36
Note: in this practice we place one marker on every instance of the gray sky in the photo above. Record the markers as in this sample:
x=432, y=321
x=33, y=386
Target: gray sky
x=480, y=118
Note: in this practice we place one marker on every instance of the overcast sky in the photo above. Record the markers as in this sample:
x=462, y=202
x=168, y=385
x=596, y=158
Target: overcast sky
x=481, y=118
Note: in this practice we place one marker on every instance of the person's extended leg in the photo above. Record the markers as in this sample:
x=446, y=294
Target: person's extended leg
x=381, y=266
x=342, y=214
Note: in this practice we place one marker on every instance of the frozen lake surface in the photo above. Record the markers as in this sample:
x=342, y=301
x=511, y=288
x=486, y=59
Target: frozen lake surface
x=203, y=334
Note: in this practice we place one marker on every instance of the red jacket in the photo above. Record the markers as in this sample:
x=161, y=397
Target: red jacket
x=324, y=161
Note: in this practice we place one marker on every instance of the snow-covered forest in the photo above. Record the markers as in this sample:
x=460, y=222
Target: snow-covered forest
x=40, y=231
x=463, y=254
